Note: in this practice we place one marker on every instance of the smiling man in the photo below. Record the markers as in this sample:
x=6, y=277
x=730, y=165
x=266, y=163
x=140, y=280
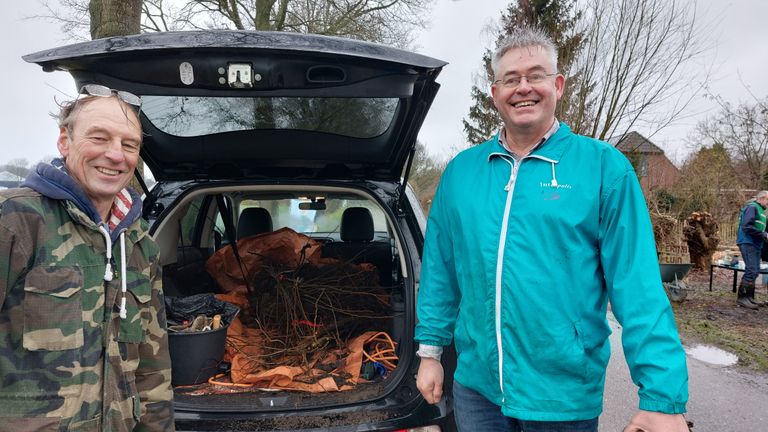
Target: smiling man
x=83, y=344
x=530, y=235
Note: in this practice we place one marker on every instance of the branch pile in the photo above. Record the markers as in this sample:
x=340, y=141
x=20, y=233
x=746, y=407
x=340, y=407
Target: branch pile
x=305, y=320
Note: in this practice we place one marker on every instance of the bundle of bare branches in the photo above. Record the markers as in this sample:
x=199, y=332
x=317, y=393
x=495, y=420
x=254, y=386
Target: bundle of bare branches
x=305, y=320
x=663, y=227
x=307, y=310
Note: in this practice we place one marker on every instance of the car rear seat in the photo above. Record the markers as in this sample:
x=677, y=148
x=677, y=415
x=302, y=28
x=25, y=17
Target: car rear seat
x=252, y=221
x=357, y=245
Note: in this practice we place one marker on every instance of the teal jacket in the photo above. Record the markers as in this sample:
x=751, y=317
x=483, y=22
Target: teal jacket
x=519, y=264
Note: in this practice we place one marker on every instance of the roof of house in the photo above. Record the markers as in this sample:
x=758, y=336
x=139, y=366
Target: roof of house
x=8, y=177
x=634, y=142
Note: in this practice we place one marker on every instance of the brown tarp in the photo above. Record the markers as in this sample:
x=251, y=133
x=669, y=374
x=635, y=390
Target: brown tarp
x=284, y=246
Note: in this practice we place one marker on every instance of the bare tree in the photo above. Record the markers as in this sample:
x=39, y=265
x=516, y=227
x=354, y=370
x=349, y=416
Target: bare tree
x=629, y=64
x=425, y=175
x=709, y=183
x=743, y=131
x=636, y=66
x=385, y=21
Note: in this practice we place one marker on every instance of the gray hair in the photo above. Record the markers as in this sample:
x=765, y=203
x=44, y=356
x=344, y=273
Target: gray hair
x=761, y=194
x=68, y=111
x=523, y=37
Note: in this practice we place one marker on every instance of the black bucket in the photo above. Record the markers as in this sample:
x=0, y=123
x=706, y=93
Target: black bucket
x=195, y=356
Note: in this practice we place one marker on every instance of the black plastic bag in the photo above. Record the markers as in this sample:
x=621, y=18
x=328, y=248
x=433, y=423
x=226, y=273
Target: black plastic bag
x=181, y=309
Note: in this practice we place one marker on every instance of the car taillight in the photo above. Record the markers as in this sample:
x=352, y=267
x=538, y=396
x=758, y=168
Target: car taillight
x=421, y=429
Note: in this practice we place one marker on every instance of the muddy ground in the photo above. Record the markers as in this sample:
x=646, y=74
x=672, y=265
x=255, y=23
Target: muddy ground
x=712, y=317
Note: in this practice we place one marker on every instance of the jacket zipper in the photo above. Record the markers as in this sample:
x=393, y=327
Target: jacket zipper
x=510, y=189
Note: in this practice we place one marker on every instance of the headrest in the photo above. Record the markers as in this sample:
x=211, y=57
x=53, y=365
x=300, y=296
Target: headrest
x=357, y=224
x=252, y=221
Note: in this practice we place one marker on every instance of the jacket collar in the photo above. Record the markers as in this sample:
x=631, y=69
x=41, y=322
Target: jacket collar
x=53, y=181
x=552, y=149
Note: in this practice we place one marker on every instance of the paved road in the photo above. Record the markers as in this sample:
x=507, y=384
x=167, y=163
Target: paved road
x=721, y=398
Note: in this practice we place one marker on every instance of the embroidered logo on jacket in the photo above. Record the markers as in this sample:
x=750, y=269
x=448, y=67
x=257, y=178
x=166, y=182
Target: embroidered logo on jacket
x=558, y=186
x=552, y=193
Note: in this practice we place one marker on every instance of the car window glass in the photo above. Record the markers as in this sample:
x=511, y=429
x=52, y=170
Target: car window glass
x=286, y=213
x=220, y=228
x=188, y=222
x=188, y=116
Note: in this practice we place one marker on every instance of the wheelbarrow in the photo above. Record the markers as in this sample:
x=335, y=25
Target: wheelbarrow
x=672, y=278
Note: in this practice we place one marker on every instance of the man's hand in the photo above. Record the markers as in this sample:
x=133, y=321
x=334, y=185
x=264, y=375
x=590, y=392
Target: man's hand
x=429, y=380
x=648, y=421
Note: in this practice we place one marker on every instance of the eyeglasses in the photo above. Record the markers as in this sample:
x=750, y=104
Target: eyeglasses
x=513, y=81
x=99, y=90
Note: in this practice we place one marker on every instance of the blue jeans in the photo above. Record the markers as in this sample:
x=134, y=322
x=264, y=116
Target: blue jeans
x=474, y=412
x=751, y=256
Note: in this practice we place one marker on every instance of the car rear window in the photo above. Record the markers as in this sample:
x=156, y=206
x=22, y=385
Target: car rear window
x=286, y=213
x=188, y=116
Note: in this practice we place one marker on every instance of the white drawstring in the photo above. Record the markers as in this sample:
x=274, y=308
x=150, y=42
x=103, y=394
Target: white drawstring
x=123, y=277
x=554, y=180
x=108, y=241
x=108, y=269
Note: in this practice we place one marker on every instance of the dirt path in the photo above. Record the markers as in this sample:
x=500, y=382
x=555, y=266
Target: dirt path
x=713, y=317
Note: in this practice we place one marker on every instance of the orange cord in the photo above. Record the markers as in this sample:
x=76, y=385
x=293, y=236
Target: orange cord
x=212, y=380
x=383, y=350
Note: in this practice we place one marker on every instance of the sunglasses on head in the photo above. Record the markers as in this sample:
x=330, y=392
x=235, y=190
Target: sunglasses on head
x=99, y=90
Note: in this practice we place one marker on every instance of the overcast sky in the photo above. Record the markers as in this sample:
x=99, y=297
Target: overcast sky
x=737, y=30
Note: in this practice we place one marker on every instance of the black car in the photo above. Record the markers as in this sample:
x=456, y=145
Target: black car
x=248, y=134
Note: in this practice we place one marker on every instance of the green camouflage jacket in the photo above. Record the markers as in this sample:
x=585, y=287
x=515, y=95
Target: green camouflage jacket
x=68, y=362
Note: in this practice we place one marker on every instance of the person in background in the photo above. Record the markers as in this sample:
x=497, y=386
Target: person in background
x=750, y=239
x=529, y=236
x=83, y=344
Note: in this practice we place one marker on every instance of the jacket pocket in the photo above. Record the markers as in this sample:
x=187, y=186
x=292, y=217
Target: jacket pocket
x=597, y=350
x=133, y=328
x=557, y=353
x=29, y=424
x=53, y=309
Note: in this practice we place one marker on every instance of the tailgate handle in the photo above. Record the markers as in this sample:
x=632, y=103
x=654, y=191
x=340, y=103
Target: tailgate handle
x=326, y=74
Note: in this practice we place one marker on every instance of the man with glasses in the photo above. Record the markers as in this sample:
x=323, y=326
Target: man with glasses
x=530, y=234
x=83, y=344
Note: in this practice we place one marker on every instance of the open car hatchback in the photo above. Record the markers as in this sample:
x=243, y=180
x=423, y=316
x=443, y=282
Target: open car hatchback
x=281, y=163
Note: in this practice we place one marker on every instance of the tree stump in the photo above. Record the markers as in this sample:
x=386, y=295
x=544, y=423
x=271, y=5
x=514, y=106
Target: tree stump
x=700, y=233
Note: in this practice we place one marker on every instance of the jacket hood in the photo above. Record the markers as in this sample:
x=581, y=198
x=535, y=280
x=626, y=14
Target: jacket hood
x=53, y=181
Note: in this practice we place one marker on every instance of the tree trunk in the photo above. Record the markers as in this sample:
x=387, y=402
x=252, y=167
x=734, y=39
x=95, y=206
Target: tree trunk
x=114, y=18
x=263, y=10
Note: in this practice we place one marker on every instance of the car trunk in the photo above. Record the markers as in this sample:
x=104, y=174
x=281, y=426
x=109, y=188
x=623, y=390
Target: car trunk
x=325, y=270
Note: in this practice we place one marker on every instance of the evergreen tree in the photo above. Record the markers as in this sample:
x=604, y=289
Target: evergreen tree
x=559, y=19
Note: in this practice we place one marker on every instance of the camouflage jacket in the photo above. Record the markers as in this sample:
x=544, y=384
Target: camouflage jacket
x=68, y=362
